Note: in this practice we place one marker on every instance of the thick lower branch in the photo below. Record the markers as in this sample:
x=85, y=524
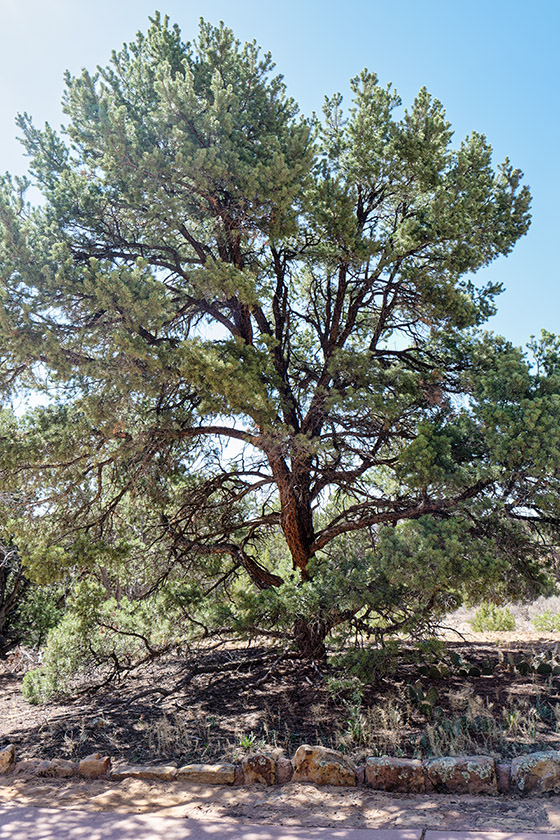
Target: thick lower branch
x=413, y=512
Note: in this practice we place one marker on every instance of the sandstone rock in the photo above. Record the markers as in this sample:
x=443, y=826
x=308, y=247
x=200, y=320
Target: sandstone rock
x=405, y=775
x=142, y=771
x=44, y=768
x=209, y=774
x=94, y=766
x=32, y=767
x=538, y=772
x=462, y=774
x=322, y=767
x=7, y=758
x=503, y=777
x=284, y=770
x=58, y=768
x=63, y=768
x=259, y=769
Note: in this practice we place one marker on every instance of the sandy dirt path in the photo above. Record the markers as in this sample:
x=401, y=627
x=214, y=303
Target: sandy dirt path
x=289, y=805
x=25, y=822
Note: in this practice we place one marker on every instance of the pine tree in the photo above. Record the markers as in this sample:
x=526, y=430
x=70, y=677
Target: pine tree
x=249, y=322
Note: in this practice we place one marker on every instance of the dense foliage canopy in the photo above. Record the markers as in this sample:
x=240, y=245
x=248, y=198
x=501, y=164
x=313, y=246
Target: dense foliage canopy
x=260, y=337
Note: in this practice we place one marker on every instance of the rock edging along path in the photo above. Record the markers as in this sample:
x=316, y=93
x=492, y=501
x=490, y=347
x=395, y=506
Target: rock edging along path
x=535, y=773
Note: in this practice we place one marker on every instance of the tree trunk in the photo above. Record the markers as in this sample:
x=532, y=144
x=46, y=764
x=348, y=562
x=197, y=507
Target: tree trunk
x=309, y=636
x=296, y=521
x=296, y=516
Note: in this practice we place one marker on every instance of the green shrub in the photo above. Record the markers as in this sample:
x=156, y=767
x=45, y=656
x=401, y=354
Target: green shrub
x=27, y=610
x=547, y=621
x=489, y=617
x=97, y=637
x=39, y=611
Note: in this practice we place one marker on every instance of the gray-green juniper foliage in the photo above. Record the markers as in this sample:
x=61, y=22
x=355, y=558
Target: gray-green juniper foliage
x=250, y=323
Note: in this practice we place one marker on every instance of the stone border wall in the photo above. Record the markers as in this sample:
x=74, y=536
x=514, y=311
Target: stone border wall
x=535, y=773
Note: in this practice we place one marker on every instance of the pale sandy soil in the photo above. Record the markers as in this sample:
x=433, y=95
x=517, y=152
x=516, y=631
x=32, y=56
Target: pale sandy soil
x=523, y=614
x=293, y=804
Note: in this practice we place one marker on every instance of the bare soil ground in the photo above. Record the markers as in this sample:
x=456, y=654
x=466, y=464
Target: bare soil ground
x=225, y=702
x=219, y=704
x=292, y=804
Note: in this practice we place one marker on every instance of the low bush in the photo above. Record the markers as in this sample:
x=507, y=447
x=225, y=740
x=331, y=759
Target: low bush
x=27, y=611
x=98, y=638
x=489, y=618
x=548, y=622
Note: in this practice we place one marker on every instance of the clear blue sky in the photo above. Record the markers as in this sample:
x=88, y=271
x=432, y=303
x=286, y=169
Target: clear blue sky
x=493, y=63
